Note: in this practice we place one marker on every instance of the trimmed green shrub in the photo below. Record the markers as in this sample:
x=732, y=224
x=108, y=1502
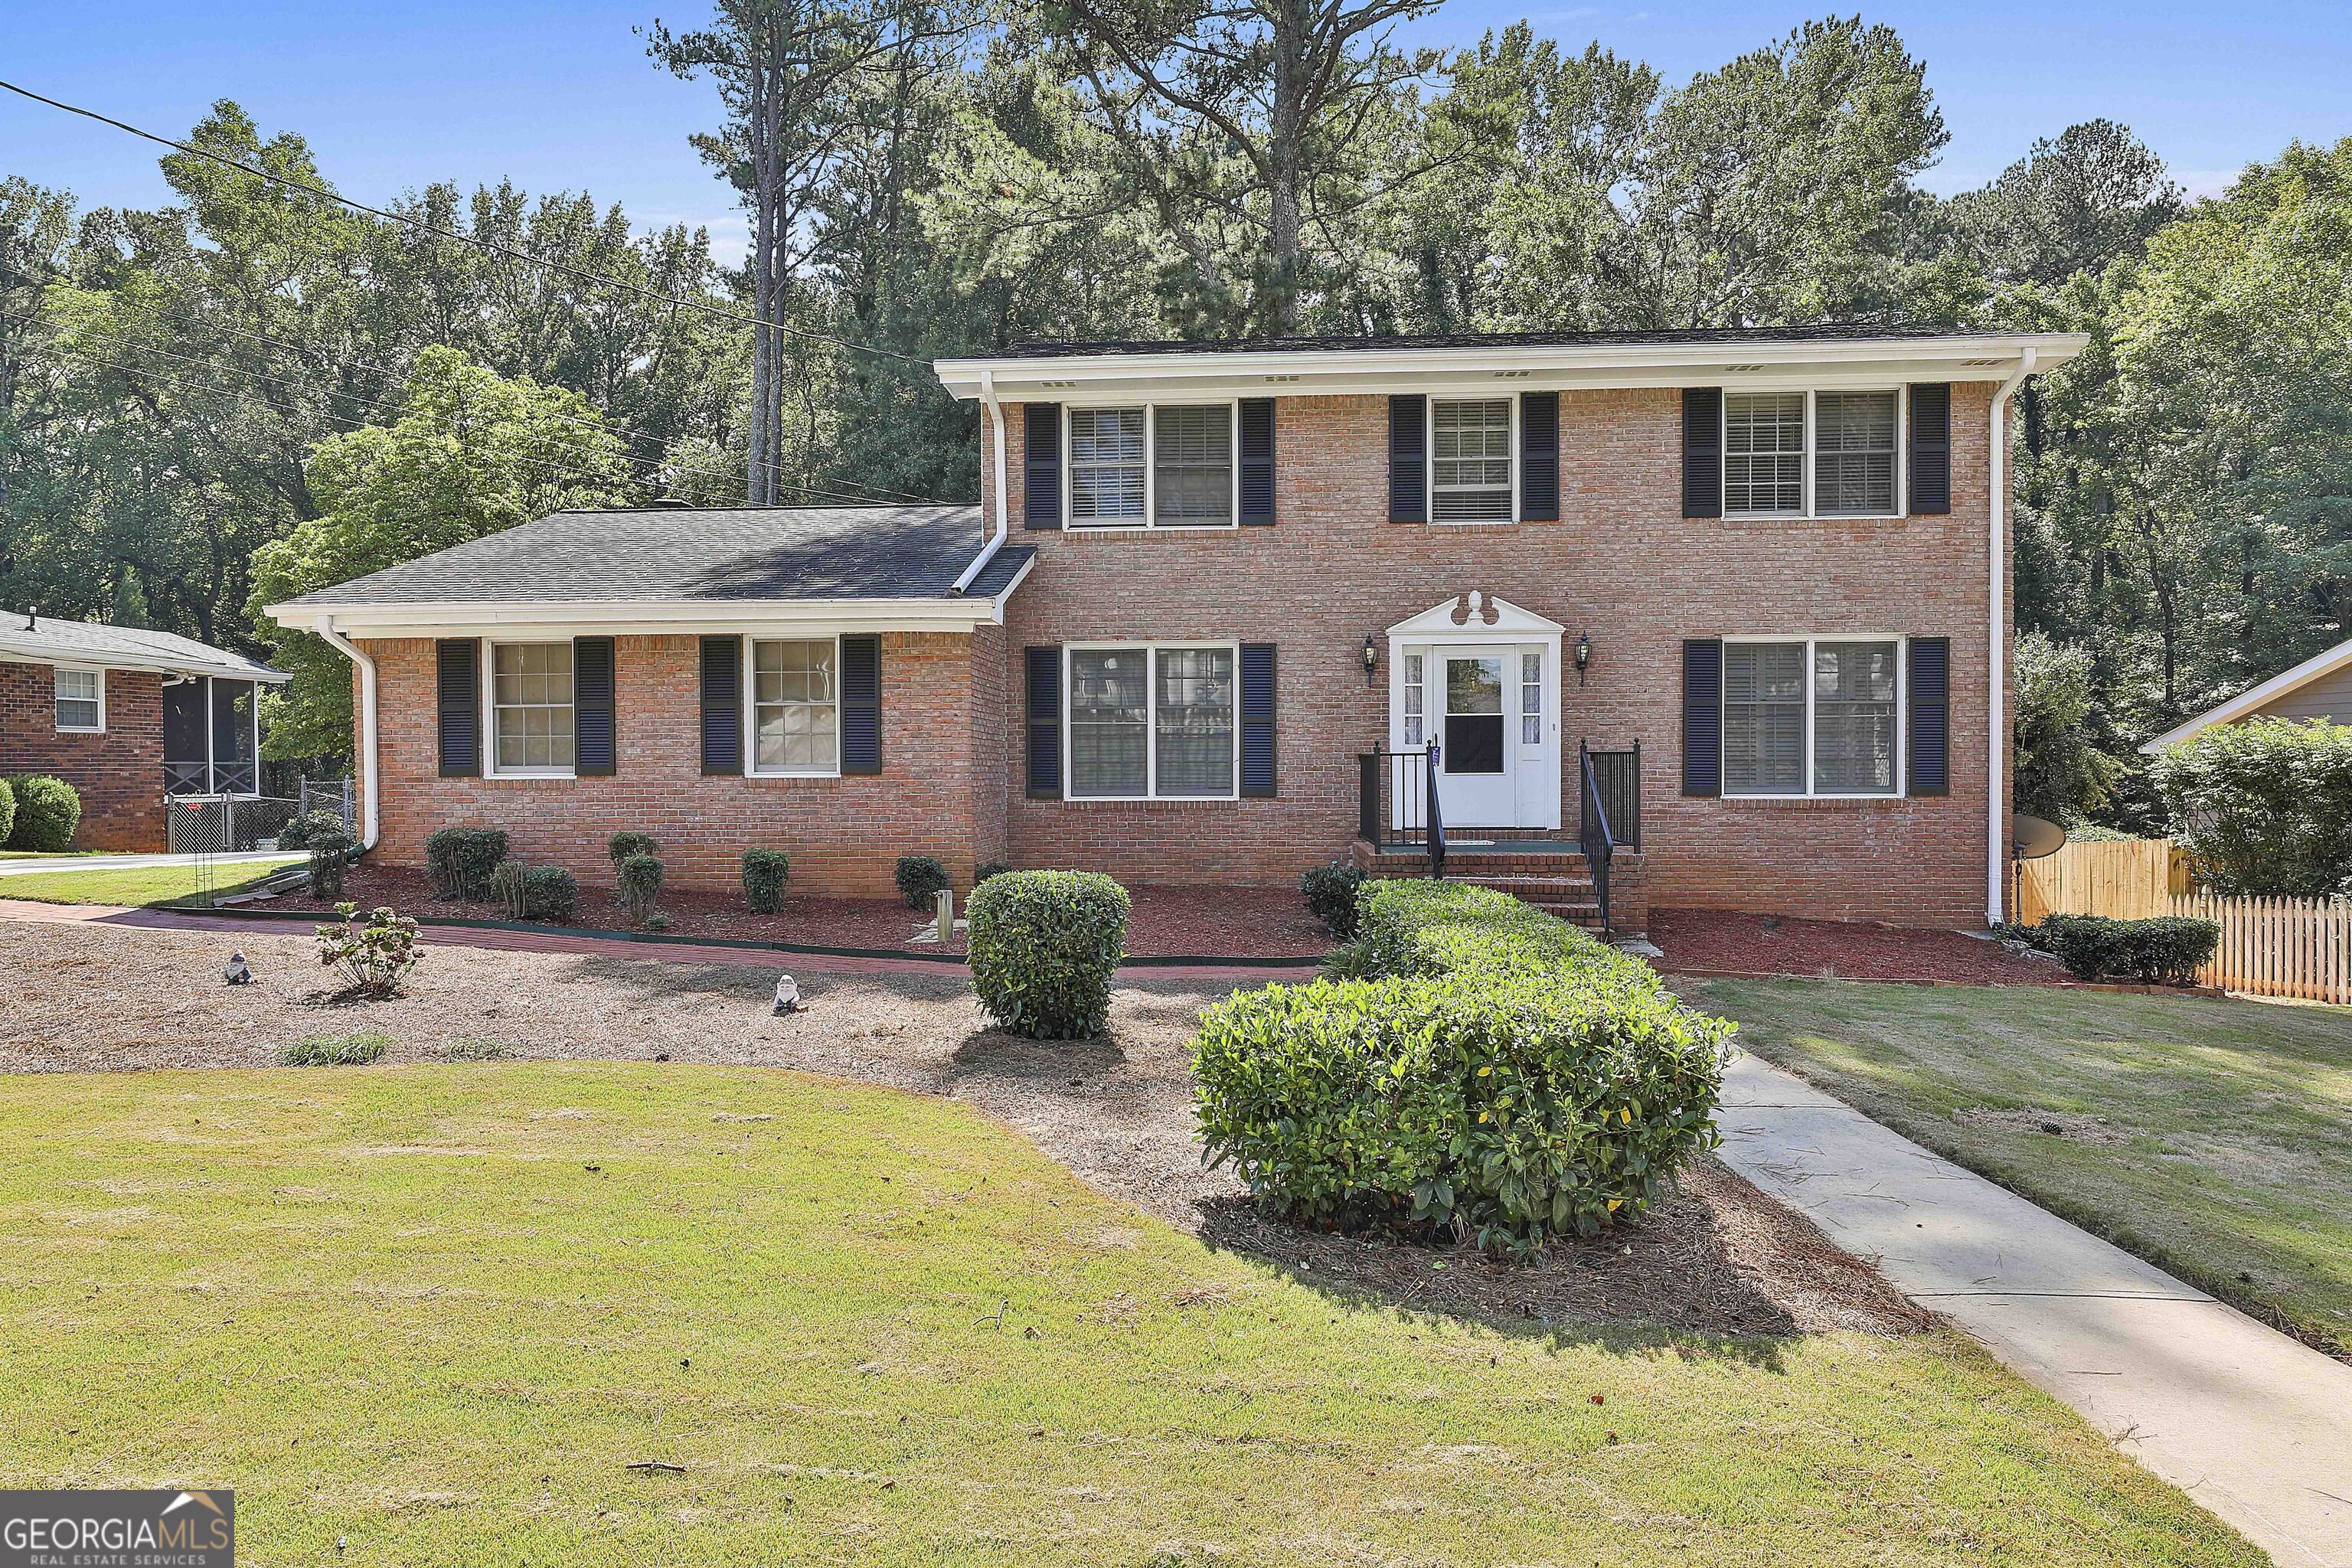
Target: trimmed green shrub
x=765, y=872
x=621, y=846
x=1044, y=945
x=989, y=868
x=922, y=878
x=460, y=860
x=549, y=893
x=7, y=811
x=335, y=1051
x=1421, y=927
x=48, y=811
x=2265, y=808
x=2165, y=951
x=297, y=832
x=1330, y=893
x=640, y=885
x=329, y=844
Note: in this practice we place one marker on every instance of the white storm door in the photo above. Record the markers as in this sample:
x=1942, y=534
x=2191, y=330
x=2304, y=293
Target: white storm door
x=1476, y=697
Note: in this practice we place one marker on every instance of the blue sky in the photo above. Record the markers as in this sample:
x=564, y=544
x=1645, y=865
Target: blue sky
x=399, y=93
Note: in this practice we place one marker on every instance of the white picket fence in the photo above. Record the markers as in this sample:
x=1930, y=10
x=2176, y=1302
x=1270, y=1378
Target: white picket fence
x=2278, y=947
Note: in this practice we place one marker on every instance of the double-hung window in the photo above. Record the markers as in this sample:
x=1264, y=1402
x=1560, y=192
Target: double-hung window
x=1811, y=454
x=1151, y=723
x=795, y=707
x=530, y=708
x=1816, y=716
x=82, y=700
x=1470, y=460
x=1854, y=453
x=1152, y=467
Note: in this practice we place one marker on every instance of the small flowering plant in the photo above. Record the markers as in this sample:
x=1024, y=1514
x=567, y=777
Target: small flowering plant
x=372, y=955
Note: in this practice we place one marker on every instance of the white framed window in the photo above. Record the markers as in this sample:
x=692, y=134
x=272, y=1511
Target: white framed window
x=1531, y=698
x=530, y=709
x=1473, y=459
x=1153, y=466
x=795, y=695
x=1812, y=454
x=1152, y=723
x=80, y=701
x=1812, y=716
x=1416, y=700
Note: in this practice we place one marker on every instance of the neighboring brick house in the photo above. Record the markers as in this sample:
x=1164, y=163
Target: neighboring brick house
x=127, y=716
x=1758, y=574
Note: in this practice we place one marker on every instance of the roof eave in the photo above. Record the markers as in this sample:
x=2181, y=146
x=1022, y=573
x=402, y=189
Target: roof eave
x=142, y=663
x=2254, y=697
x=652, y=615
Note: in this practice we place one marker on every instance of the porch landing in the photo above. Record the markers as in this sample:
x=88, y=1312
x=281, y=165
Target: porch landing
x=1549, y=873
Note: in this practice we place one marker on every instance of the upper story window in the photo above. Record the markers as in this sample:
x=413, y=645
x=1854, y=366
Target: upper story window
x=530, y=708
x=82, y=700
x=795, y=708
x=1151, y=723
x=1152, y=467
x=1470, y=460
x=1811, y=716
x=1811, y=454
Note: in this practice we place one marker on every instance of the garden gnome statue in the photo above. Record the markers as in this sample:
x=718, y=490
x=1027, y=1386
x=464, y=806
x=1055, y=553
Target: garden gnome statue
x=788, y=995
x=237, y=974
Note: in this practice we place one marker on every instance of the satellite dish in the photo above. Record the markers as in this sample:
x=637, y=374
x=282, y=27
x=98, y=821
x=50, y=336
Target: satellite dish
x=2032, y=838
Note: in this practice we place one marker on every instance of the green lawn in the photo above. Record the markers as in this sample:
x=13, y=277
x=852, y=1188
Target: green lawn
x=2224, y=1148
x=43, y=854
x=428, y=1315
x=149, y=885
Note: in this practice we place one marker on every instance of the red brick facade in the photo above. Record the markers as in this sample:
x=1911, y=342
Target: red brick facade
x=118, y=773
x=1622, y=567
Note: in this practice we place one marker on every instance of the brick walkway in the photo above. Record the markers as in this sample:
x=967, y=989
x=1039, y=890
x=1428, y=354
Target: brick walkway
x=500, y=941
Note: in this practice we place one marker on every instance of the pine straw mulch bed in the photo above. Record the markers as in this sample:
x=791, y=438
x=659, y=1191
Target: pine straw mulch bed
x=1716, y=1258
x=1168, y=922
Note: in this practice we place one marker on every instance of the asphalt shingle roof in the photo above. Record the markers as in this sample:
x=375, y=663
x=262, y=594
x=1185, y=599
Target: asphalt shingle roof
x=1828, y=332
x=715, y=553
x=93, y=642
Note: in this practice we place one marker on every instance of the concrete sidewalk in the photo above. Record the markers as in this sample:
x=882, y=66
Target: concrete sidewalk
x=2256, y=1426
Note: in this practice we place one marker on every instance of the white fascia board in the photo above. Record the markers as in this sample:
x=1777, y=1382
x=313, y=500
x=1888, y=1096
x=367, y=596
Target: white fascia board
x=22, y=654
x=2246, y=701
x=1855, y=362
x=650, y=617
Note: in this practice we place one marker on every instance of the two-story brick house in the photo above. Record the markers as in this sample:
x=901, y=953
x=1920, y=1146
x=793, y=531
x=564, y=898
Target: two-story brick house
x=1229, y=610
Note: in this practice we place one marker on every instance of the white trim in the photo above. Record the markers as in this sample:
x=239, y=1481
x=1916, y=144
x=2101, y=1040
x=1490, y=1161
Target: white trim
x=1436, y=624
x=546, y=620
x=1808, y=477
x=1428, y=467
x=996, y=538
x=55, y=697
x=1997, y=844
x=1150, y=522
x=751, y=717
x=1809, y=641
x=1151, y=650
x=326, y=629
x=20, y=652
x=491, y=769
x=2255, y=697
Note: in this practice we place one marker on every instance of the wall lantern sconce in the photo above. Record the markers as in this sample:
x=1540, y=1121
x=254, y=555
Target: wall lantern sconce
x=1371, y=657
x=1583, y=654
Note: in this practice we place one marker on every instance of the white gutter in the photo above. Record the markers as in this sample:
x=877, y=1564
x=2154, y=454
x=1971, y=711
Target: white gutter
x=996, y=540
x=325, y=628
x=1996, y=826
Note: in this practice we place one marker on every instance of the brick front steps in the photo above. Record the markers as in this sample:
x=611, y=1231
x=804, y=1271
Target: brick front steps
x=1557, y=880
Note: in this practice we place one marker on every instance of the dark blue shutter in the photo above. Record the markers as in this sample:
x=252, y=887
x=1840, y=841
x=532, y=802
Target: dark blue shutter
x=861, y=705
x=1931, y=715
x=1257, y=719
x=1045, y=682
x=1041, y=457
x=1257, y=460
x=1539, y=456
x=722, y=705
x=592, y=707
x=458, y=686
x=1703, y=716
x=1929, y=460
x=1702, y=451
x=1409, y=459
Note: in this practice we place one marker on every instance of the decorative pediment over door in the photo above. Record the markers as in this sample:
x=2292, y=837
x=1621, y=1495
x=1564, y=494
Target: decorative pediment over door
x=1475, y=615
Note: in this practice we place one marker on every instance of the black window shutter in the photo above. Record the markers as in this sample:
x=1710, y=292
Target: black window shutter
x=1045, y=723
x=1702, y=451
x=1041, y=450
x=1929, y=460
x=1257, y=460
x=1703, y=716
x=861, y=705
x=1931, y=716
x=722, y=705
x=1257, y=719
x=592, y=708
x=1539, y=456
x=1409, y=458
x=459, y=689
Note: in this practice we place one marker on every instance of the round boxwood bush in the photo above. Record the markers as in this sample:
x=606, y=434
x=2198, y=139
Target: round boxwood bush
x=1044, y=946
x=641, y=886
x=549, y=893
x=48, y=811
x=922, y=878
x=622, y=845
x=460, y=860
x=1330, y=893
x=765, y=872
x=7, y=811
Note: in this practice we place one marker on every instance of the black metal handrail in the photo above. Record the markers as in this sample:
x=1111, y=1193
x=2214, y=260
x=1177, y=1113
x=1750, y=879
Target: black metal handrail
x=1436, y=815
x=1618, y=775
x=1397, y=807
x=1599, y=846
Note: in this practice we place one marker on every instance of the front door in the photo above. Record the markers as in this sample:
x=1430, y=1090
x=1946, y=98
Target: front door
x=1477, y=773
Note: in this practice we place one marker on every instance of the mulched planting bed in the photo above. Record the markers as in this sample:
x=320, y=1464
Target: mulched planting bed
x=1168, y=922
x=1718, y=1257
x=1713, y=942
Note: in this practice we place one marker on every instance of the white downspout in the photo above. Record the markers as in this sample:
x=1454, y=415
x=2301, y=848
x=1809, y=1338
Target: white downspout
x=1997, y=721
x=326, y=628
x=996, y=425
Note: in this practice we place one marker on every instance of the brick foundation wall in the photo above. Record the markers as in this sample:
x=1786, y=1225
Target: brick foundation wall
x=844, y=835
x=119, y=773
x=1622, y=567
